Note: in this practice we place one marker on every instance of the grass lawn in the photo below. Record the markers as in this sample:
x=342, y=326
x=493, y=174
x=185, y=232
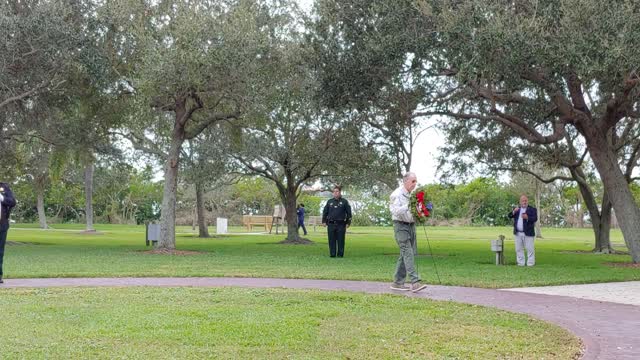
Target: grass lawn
x=462, y=256
x=237, y=323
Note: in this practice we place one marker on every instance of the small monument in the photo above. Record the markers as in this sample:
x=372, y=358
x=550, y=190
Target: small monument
x=221, y=225
x=279, y=213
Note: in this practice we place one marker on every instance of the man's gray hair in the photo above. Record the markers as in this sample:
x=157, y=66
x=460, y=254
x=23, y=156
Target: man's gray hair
x=407, y=175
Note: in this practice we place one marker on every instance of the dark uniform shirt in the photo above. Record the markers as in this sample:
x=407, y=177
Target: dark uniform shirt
x=7, y=204
x=337, y=210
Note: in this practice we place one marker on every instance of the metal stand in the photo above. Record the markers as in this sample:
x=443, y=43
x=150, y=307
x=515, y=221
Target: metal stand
x=497, y=246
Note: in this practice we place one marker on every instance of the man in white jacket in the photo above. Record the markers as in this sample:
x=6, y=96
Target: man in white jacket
x=404, y=228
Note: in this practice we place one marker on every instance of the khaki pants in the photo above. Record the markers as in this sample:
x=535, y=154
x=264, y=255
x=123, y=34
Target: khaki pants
x=523, y=243
x=405, y=235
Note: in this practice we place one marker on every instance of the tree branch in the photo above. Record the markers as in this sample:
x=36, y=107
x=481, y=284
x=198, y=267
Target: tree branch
x=575, y=91
x=537, y=176
x=23, y=95
x=267, y=173
x=141, y=143
x=619, y=106
x=520, y=127
x=196, y=129
x=633, y=162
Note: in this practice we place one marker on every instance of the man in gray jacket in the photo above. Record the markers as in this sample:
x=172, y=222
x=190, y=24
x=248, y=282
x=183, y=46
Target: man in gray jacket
x=404, y=228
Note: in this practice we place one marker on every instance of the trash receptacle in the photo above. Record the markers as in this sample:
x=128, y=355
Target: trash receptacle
x=152, y=233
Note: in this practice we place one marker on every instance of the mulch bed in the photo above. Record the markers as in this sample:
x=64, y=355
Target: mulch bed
x=419, y=255
x=300, y=241
x=615, y=252
x=171, y=252
x=91, y=232
x=19, y=243
x=622, y=265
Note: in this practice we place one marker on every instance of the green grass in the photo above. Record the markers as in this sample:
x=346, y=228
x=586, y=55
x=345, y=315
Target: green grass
x=462, y=255
x=236, y=323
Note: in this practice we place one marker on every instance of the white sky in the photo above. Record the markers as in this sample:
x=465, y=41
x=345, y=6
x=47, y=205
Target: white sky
x=425, y=152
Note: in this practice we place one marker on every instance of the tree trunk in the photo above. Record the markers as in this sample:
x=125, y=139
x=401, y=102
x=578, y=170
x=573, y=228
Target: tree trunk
x=580, y=215
x=291, y=216
x=537, y=225
x=88, y=194
x=42, y=217
x=203, y=231
x=603, y=238
x=168, y=216
x=603, y=232
x=615, y=184
x=288, y=195
x=600, y=217
x=194, y=218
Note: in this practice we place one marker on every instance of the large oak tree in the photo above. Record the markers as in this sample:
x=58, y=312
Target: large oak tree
x=189, y=65
x=540, y=68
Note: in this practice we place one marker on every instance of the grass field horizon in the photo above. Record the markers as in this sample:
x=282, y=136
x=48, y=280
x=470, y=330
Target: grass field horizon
x=462, y=256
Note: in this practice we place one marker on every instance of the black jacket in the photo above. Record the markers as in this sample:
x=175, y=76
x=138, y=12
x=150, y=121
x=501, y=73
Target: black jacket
x=8, y=203
x=337, y=210
x=527, y=225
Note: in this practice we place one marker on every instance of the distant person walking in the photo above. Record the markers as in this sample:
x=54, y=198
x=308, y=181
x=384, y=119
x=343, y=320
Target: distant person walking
x=524, y=219
x=7, y=203
x=404, y=229
x=300, y=212
x=337, y=217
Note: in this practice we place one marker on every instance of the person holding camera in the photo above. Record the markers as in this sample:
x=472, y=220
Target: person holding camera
x=524, y=218
x=8, y=202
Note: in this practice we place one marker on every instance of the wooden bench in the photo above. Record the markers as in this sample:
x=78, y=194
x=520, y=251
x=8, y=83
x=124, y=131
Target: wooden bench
x=259, y=220
x=315, y=221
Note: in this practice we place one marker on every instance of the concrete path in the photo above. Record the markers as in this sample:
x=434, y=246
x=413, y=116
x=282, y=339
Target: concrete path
x=608, y=330
x=617, y=292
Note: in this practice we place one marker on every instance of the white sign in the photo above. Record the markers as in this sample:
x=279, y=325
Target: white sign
x=221, y=226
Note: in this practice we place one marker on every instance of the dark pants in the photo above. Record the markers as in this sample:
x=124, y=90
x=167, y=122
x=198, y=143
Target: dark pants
x=4, y=229
x=336, y=238
x=301, y=225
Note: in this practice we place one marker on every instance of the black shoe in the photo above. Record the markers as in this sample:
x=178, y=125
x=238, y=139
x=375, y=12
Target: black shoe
x=332, y=256
x=1, y=282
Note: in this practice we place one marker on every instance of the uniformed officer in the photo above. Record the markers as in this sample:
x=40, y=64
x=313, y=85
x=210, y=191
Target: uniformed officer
x=8, y=202
x=337, y=216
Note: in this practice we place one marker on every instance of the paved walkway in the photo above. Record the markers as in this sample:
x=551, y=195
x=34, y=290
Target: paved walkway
x=618, y=292
x=608, y=330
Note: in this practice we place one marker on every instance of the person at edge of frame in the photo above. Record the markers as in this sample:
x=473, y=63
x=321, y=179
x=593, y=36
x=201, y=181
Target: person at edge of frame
x=8, y=202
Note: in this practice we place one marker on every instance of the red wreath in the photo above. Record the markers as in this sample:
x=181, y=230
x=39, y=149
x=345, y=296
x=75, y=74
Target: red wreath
x=421, y=207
